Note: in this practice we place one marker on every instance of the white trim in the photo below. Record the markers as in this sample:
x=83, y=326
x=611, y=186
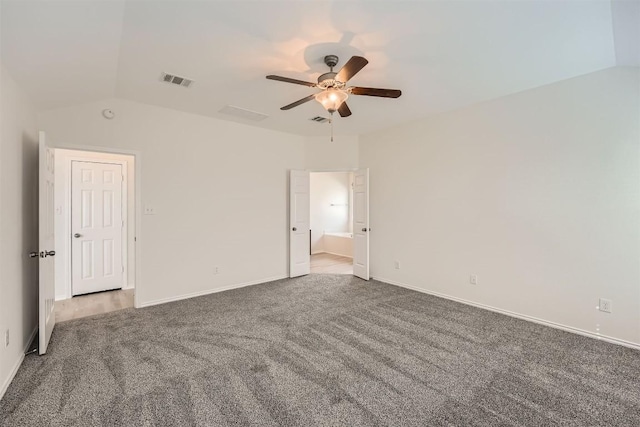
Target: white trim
x=210, y=291
x=517, y=315
x=332, y=170
x=14, y=370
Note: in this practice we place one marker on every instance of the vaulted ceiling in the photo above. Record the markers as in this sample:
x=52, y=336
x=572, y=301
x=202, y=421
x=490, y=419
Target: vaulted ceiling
x=441, y=54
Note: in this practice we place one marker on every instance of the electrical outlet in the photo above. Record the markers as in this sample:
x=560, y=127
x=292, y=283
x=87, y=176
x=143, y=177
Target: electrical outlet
x=605, y=305
x=473, y=279
x=216, y=270
x=149, y=210
x=397, y=265
x=6, y=338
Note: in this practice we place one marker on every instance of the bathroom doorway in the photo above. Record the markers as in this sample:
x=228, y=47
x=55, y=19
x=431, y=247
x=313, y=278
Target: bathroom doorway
x=331, y=222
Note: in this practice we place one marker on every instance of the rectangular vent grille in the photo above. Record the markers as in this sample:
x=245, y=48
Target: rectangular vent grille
x=176, y=80
x=319, y=119
x=243, y=113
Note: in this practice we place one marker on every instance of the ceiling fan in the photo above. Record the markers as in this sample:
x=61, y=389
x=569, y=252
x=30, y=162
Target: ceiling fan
x=334, y=86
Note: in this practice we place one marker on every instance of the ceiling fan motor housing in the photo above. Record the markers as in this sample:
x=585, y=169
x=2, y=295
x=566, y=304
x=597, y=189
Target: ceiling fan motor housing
x=331, y=61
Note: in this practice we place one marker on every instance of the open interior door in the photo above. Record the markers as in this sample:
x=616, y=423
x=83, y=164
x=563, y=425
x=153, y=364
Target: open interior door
x=361, y=224
x=46, y=245
x=299, y=224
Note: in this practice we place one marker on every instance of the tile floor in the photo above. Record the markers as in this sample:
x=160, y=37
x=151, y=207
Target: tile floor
x=331, y=264
x=90, y=304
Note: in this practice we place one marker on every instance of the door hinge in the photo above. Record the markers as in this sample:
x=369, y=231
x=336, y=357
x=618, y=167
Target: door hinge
x=123, y=223
x=123, y=268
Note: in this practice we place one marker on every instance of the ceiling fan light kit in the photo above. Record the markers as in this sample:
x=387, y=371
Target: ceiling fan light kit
x=331, y=99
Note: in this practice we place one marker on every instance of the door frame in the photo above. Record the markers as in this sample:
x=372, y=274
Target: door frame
x=69, y=217
x=351, y=201
x=304, y=268
x=137, y=220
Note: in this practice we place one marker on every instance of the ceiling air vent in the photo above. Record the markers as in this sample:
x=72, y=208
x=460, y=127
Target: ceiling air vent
x=176, y=80
x=243, y=113
x=319, y=119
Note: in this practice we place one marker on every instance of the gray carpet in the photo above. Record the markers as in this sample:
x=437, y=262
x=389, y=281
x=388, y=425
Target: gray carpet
x=321, y=350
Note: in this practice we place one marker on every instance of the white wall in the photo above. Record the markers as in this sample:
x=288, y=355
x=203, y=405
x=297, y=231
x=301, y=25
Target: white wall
x=327, y=189
x=537, y=193
x=219, y=190
x=63, y=214
x=323, y=155
x=18, y=225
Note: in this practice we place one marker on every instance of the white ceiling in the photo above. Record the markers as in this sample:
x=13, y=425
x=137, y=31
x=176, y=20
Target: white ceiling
x=441, y=54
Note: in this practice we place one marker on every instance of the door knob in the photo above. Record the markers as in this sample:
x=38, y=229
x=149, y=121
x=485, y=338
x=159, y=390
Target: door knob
x=364, y=229
x=77, y=235
x=294, y=229
x=34, y=254
x=49, y=253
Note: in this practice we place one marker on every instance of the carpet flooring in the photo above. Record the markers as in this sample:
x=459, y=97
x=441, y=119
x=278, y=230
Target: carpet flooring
x=326, y=350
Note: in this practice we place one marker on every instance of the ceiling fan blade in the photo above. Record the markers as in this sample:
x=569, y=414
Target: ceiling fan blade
x=344, y=110
x=288, y=80
x=370, y=91
x=355, y=64
x=299, y=102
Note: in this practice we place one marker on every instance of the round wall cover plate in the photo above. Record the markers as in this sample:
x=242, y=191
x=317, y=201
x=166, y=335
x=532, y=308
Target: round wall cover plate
x=108, y=113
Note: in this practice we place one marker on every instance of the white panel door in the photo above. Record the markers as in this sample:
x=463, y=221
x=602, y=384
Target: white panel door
x=361, y=224
x=46, y=243
x=299, y=219
x=96, y=227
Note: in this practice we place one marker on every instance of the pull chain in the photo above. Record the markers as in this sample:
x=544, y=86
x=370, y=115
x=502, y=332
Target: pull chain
x=331, y=121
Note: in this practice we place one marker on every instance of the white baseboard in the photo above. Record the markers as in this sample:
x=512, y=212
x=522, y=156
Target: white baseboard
x=16, y=366
x=517, y=315
x=129, y=286
x=209, y=291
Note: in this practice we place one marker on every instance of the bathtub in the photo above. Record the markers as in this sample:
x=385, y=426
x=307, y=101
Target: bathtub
x=339, y=243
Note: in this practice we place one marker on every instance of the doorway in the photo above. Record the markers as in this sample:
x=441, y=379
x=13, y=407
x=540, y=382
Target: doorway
x=329, y=223
x=331, y=215
x=95, y=232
